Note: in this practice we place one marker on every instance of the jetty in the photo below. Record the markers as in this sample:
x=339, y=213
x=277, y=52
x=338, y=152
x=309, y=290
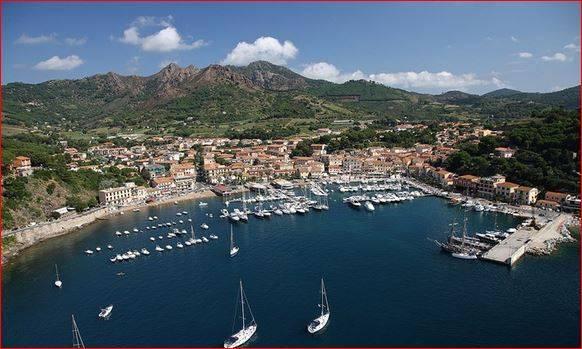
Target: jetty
x=510, y=250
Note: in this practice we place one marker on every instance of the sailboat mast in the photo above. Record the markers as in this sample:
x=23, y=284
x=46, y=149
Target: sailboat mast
x=231, y=239
x=242, y=305
x=57, y=271
x=77, y=340
x=322, y=293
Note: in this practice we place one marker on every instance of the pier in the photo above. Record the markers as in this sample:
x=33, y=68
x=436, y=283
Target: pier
x=510, y=250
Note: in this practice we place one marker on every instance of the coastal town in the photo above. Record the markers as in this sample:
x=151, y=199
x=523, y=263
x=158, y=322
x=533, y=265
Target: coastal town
x=172, y=168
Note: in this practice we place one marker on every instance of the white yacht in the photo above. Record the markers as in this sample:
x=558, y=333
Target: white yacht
x=247, y=329
x=321, y=321
x=369, y=206
x=58, y=282
x=233, y=248
x=179, y=245
x=168, y=247
x=106, y=312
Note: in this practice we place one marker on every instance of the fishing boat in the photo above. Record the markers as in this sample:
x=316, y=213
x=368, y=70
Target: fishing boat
x=247, y=329
x=106, y=312
x=321, y=321
x=233, y=248
x=77, y=339
x=58, y=282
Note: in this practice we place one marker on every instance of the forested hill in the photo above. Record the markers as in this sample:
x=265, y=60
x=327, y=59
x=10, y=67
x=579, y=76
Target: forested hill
x=259, y=91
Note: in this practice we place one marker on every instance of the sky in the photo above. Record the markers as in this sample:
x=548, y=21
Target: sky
x=423, y=47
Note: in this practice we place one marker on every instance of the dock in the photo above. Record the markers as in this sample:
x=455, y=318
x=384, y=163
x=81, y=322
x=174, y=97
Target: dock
x=510, y=250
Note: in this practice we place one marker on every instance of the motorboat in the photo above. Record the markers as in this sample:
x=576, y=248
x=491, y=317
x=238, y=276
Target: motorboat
x=204, y=239
x=106, y=312
x=179, y=245
x=152, y=238
x=369, y=206
x=204, y=226
x=88, y=252
x=213, y=237
x=159, y=249
x=110, y=247
x=168, y=247
x=145, y=252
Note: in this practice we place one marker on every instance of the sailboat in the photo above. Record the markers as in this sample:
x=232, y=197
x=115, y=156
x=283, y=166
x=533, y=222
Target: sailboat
x=321, y=321
x=233, y=248
x=464, y=253
x=247, y=330
x=77, y=339
x=58, y=282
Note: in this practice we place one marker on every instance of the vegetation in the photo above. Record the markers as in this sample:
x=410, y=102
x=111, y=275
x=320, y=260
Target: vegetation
x=547, y=152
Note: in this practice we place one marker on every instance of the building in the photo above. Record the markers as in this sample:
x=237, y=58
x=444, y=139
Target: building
x=22, y=166
x=556, y=196
x=506, y=190
x=164, y=184
x=487, y=186
x=466, y=183
x=505, y=153
x=548, y=204
x=526, y=195
x=154, y=170
x=120, y=196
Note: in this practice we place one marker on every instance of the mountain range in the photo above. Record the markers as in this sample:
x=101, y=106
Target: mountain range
x=260, y=90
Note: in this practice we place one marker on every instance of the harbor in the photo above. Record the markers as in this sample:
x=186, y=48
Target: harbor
x=281, y=261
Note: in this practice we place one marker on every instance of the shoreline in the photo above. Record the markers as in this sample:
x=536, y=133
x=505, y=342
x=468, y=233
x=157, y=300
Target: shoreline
x=50, y=230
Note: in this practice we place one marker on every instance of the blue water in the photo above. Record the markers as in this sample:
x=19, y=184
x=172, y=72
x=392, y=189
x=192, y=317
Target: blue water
x=388, y=285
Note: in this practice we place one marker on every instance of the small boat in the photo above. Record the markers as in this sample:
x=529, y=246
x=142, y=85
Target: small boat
x=120, y=274
x=202, y=203
x=126, y=232
x=89, y=252
x=204, y=239
x=179, y=214
x=188, y=243
x=160, y=237
x=58, y=282
x=213, y=237
x=145, y=252
x=369, y=206
x=150, y=218
x=464, y=255
x=125, y=256
x=135, y=230
x=247, y=330
x=153, y=238
x=118, y=233
x=168, y=247
x=110, y=247
x=155, y=217
x=106, y=312
x=204, y=226
x=175, y=202
x=184, y=212
x=135, y=210
x=278, y=212
x=321, y=321
x=113, y=259
x=159, y=249
x=189, y=219
x=179, y=245
x=233, y=248
x=119, y=258
x=180, y=221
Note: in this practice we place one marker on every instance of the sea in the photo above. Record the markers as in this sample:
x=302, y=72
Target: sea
x=388, y=283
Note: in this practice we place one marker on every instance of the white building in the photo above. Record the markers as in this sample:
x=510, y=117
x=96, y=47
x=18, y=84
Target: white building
x=121, y=196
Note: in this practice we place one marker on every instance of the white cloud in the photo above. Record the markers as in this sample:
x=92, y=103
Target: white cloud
x=264, y=48
x=558, y=56
x=514, y=39
x=417, y=80
x=166, y=62
x=525, y=55
x=75, y=41
x=33, y=40
x=166, y=40
x=327, y=71
x=573, y=47
x=57, y=63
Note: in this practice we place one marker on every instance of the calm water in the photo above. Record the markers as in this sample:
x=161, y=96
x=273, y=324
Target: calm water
x=388, y=285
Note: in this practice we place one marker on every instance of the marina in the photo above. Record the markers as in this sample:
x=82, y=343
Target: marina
x=281, y=261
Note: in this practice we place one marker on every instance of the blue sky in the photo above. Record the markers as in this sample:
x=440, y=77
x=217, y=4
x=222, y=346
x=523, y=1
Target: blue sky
x=416, y=46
